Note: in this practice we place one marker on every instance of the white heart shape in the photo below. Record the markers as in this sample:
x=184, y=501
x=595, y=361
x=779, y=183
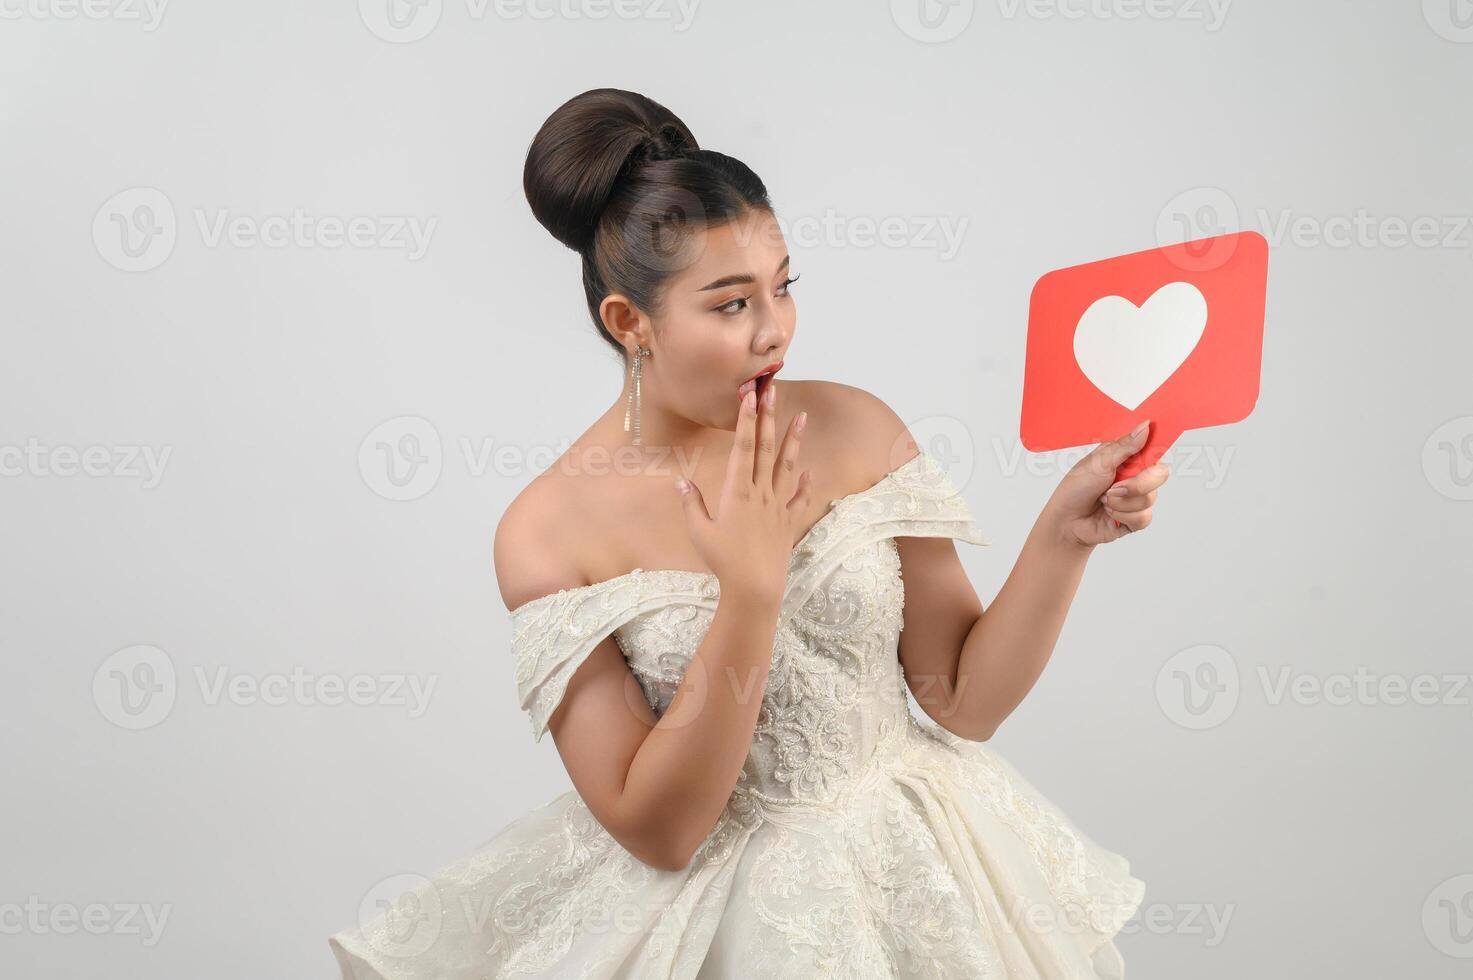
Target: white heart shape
x=1129, y=351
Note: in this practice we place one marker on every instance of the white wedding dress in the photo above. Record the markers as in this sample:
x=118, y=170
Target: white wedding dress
x=859, y=842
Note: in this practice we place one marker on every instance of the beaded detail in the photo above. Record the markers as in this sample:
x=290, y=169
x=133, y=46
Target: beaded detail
x=848, y=552
x=858, y=841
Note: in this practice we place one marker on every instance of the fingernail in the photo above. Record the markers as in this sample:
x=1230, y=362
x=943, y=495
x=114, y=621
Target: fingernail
x=682, y=486
x=1118, y=490
x=802, y=421
x=1136, y=432
x=769, y=394
x=749, y=401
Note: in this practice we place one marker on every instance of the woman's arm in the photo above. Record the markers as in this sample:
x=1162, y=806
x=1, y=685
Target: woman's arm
x=683, y=771
x=1006, y=648
x=968, y=668
x=969, y=685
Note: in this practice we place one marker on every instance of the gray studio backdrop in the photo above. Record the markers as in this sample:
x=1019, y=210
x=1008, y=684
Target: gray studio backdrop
x=281, y=340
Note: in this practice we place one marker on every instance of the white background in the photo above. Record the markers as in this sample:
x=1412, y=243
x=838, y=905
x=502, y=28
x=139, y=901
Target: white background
x=1329, y=532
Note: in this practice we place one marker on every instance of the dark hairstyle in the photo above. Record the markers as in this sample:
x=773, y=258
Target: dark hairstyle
x=619, y=179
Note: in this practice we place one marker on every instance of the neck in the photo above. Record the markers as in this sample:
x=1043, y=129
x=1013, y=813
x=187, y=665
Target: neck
x=667, y=439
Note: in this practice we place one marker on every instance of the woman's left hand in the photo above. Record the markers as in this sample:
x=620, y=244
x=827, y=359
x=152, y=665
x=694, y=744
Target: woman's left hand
x=1090, y=508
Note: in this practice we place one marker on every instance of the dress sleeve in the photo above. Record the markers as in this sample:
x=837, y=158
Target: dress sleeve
x=553, y=635
x=916, y=500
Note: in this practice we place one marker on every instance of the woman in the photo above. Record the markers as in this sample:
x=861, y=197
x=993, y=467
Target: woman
x=726, y=685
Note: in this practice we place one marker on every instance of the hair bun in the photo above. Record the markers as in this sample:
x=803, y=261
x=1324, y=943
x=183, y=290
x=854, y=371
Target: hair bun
x=585, y=148
x=665, y=143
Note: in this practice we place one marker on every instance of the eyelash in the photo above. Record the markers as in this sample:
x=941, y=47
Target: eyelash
x=742, y=299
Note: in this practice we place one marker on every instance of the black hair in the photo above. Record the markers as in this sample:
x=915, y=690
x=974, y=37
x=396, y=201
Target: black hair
x=619, y=179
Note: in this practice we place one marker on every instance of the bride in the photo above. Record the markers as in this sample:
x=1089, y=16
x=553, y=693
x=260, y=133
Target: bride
x=719, y=598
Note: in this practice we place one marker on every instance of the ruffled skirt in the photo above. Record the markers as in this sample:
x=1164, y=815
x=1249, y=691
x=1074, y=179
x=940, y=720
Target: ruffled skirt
x=938, y=861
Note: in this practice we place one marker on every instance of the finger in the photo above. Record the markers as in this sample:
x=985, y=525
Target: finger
x=798, y=506
x=739, y=463
x=785, y=479
x=766, y=435
x=1129, y=502
x=1133, y=520
x=694, y=506
x=1107, y=456
x=1146, y=480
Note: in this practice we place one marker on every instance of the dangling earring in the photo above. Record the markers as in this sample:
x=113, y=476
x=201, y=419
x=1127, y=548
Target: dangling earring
x=639, y=354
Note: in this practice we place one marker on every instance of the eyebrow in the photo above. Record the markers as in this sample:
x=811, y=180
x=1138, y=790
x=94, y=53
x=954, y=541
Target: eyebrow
x=725, y=281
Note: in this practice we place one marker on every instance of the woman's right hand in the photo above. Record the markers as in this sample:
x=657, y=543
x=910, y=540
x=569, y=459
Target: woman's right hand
x=749, y=542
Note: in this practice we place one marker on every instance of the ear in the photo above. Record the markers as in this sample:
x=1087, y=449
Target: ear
x=623, y=320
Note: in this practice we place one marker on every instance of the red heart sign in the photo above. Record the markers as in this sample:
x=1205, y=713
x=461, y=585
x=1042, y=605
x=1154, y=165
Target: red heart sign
x=1171, y=334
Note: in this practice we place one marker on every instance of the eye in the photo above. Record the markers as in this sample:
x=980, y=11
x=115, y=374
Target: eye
x=727, y=307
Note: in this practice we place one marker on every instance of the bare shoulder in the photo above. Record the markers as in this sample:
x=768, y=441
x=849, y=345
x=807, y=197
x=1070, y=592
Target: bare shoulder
x=867, y=437
x=527, y=553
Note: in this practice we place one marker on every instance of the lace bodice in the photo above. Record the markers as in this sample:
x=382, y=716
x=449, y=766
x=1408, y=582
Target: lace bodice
x=858, y=841
x=835, y=688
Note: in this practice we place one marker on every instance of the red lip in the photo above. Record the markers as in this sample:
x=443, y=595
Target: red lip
x=771, y=368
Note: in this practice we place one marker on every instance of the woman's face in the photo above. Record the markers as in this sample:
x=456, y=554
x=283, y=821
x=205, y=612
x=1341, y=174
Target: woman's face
x=727, y=314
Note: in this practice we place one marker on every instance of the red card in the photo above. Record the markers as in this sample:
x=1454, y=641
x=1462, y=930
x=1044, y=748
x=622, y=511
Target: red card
x=1171, y=334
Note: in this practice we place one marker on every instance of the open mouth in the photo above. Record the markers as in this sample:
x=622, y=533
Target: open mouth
x=759, y=383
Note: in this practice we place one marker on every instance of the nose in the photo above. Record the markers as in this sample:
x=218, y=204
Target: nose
x=770, y=336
